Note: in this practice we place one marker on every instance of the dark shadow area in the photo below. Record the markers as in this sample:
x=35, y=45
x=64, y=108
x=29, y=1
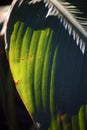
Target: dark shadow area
x=5, y=2
x=23, y=119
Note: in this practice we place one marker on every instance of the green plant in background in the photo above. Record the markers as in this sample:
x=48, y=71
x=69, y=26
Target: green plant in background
x=46, y=63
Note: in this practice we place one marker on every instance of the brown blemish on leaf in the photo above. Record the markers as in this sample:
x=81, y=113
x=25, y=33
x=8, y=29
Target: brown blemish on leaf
x=60, y=117
x=17, y=82
x=22, y=59
x=31, y=57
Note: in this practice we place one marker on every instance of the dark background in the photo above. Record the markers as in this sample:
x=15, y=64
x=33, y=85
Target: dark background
x=5, y=2
x=24, y=120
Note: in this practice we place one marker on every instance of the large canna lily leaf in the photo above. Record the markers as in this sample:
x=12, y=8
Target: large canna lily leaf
x=46, y=64
x=72, y=14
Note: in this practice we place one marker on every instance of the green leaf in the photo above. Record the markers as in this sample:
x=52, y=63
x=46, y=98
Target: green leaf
x=44, y=61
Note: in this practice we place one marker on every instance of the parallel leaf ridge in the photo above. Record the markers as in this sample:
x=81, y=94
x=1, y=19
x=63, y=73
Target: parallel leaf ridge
x=73, y=16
